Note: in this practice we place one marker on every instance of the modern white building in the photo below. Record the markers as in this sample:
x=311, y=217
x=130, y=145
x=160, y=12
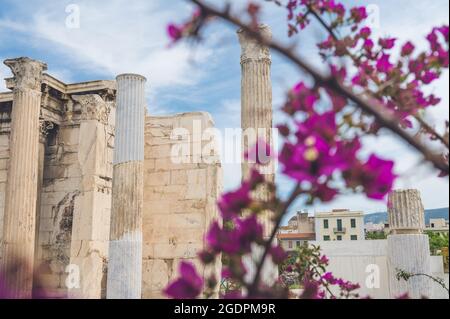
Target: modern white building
x=339, y=224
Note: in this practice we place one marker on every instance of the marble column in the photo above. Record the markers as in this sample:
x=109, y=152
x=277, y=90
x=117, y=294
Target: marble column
x=256, y=124
x=408, y=247
x=125, y=250
x=21, y=188
x=256, y=106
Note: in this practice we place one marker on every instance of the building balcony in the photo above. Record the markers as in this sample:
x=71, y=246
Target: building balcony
x=341, y=230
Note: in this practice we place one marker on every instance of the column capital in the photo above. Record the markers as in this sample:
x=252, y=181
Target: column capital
x=251, y=49
x=93, y=107
x=27, y=73
x=44, y=128
x=406, y=212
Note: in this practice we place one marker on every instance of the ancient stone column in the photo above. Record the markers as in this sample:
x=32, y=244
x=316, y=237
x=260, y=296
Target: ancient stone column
x=125, y=252
x=256, y=123
x=256, y=104
x=408, y=247
x=21, y=187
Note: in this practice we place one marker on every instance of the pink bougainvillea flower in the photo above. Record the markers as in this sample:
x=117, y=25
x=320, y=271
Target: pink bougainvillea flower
x=324, y=192
x=376, y=176
x=323, y=125
x=368, y=45
x=188, y=286
x=310, y=160
x=175, y=32
x=358, y=14
x=365, y=32
x=387, y=43
x=278, y=254
x=360, y=80
x=232, y=203
x=429, y=76
x=221, y=240
x=248, y=231
x=407, y=49
x=301, y=98
x=328, y=277
x=324, y=260
x=379, y=177
x=310, y=290
x=255, y=179
x=383, y=64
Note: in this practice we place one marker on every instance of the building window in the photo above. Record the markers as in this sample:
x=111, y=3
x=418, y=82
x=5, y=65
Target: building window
x=326, y=238
x=339, y=224
x=298, y=243
x=290, y=244
x=354, y=237
x=325, y=223
x=432, y=225
x=339, y=237
x=353, y=223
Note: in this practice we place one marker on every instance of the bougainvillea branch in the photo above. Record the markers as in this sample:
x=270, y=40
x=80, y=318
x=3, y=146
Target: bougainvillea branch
x=322, y=150
x=372, y=108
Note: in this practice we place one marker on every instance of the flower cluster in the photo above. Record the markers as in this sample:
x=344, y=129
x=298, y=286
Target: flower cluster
x=398, y=85
x=317, y=283
x=316, y=154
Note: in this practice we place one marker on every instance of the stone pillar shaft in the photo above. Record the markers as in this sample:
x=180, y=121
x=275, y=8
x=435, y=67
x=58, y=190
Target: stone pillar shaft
x=21, y=188
x=256, y=123
x=256, y=105
x=125, y=252
x=408, y=247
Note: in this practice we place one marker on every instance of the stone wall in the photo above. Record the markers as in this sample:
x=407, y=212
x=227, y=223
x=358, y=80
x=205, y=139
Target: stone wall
x=362, y=261
x=180, y=197
x=76, y=202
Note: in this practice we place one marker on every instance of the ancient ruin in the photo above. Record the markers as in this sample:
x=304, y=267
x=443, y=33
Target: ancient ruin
x=90, y=194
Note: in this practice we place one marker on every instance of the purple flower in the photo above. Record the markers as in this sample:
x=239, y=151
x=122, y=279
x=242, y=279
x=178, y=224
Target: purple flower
x=278, y=254
x=407, y=48
x=248, y=231
x=368, y=45
x=429, y=77
x=232, y=203
x=358, y=14
x=387, y=43
x=174, y=32
x=383, y=64
x=365, y=32
x=189, y=286
x=301, y=98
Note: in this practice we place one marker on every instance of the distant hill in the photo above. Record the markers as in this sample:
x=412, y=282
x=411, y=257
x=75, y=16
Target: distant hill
x=377, y=218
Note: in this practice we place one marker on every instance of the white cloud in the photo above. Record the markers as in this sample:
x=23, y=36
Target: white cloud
x=120, y=37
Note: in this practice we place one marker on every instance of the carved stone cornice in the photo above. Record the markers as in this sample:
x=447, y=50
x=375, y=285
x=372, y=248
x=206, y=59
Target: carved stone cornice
x=27, y=73
x=44, y=128
x=251, y=50
x=93, y=107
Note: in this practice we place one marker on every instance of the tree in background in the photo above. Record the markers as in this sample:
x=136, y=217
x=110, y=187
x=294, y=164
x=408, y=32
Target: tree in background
x=437, y=242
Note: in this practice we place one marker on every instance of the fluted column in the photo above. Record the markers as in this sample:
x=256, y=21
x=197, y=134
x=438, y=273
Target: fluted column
x=408, y=247
x=256, y=106
x=125, y=252
x=256, y=123
x=22, y=183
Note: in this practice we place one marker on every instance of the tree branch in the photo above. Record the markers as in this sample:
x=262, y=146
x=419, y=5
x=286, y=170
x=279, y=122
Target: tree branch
x=373, y=108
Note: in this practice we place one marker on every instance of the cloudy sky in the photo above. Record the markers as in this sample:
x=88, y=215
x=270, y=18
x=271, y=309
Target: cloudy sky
x=129, y=36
